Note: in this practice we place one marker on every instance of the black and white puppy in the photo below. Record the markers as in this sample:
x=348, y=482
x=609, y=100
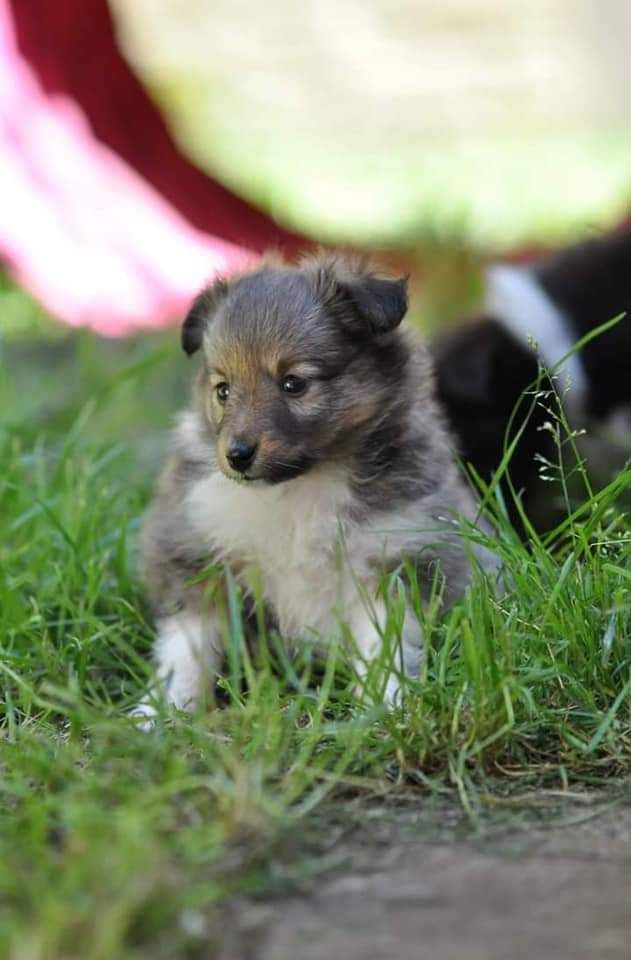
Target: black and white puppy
x=314, y=458
x=484, y=366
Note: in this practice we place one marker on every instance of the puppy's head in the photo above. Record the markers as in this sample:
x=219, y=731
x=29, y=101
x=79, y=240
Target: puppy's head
x=297, y=363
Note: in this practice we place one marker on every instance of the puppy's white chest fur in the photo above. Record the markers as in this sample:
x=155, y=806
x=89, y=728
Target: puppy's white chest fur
x=292, y=533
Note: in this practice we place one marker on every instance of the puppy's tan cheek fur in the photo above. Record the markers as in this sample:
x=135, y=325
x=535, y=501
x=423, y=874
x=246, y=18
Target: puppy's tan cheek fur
x=270, y=446
x=360, y=414
x=362, y=407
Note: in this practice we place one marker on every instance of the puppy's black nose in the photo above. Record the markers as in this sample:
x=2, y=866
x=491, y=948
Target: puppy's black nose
x=240, y=455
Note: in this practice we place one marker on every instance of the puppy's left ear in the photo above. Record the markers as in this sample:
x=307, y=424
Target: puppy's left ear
x=380, y=302
x=200, y=315
x=362, y=301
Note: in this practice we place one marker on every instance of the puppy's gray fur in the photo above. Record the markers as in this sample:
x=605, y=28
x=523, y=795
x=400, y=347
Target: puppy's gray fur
x=352, y=474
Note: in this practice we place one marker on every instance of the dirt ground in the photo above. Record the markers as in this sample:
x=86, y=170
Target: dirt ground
x=550, y=887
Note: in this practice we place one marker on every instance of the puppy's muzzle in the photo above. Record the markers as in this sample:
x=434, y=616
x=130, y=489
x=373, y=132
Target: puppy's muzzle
x=240, y=455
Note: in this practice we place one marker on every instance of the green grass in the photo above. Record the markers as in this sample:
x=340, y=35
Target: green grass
x=117, y=844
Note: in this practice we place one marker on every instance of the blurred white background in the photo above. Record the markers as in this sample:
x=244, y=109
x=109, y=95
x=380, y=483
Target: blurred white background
x=374, y=119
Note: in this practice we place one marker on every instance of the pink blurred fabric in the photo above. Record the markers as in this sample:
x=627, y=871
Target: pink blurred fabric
x=79, y=227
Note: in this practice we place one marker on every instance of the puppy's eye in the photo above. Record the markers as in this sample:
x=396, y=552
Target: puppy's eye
x=223, y=391
x=294, y=386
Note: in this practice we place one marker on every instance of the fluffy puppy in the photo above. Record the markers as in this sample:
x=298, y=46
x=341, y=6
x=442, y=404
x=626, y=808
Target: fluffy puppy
x=484, y=365
x=315, y=454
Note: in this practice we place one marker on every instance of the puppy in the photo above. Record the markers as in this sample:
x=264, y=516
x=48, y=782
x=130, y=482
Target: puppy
x=314, y=454
x=484, y=366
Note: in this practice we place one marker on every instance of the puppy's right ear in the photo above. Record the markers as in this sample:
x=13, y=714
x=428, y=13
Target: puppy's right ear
x=363, y=302
x=200, y=315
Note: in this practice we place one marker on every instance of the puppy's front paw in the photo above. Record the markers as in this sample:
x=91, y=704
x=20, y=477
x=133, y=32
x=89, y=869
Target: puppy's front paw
x=376, y=695
x=144, y=715
x=393, y=695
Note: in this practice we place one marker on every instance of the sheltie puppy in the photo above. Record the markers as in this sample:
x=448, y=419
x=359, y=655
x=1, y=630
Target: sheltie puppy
x=533, y=314
x=315, y=459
